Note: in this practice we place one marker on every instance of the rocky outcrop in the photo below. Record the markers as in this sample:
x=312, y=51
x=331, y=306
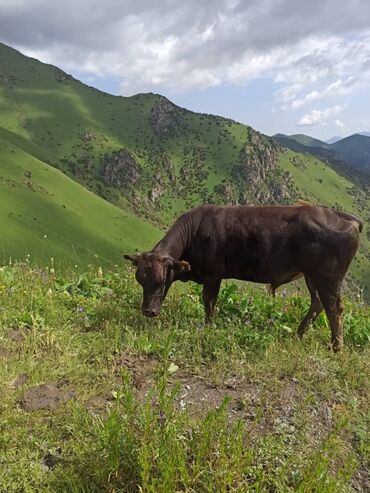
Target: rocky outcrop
x=257, y=178
x=8, y=80
x=156, y=192
x=61, y=76
x=166, y=119
x=121, y=169
x=258, y=157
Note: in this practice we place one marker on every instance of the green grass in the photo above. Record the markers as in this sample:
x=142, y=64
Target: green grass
x=45, y=214
x=170, y=404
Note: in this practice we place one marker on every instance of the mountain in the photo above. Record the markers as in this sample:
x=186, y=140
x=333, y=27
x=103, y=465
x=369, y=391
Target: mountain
x=334, y=139
x=152, y=159
x=349, y=155
x=354, y=150
x=303, y=139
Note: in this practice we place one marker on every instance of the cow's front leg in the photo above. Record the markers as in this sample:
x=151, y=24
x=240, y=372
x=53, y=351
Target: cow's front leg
x=211, y=288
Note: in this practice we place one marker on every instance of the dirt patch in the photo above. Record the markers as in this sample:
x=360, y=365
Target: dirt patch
x=45, y=396
x=5, y=353
x=140, y=368
x=361, y=479
x=97, y=404
x=16, y=335
x=263, y=409
x=199, y=395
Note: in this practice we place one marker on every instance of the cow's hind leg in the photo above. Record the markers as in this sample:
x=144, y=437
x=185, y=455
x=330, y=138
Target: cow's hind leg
x=211, y=288
x=314, y=310
x=331, y=300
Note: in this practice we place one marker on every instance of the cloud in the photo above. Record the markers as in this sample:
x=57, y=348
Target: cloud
x=319, y=117
x=339, y=124
x=180, y=46
x=339, y=87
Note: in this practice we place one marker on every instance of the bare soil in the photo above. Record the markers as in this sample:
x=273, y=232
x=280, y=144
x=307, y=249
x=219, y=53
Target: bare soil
x=45, y=396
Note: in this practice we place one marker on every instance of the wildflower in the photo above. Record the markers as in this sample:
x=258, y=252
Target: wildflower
x=45, y=236
x=100, y=272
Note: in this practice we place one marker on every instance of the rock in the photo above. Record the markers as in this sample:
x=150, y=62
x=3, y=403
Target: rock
x=155, y=193
x=166, y=119
x=61, y=76
x=257, y=178
x=8, y=80
x=45, y=396
x=120, y=169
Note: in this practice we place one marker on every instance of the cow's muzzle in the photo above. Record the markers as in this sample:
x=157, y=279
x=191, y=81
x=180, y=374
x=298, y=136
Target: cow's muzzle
x=150, y=312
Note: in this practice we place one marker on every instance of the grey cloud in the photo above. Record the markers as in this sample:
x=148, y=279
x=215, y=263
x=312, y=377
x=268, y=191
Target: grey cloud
x=180, y=45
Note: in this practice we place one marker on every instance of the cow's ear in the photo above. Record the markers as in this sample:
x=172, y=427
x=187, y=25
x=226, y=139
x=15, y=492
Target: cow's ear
x=180, y=266
x=134, y=258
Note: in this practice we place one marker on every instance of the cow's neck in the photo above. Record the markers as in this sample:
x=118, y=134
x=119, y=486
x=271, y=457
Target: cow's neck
x=178, y=238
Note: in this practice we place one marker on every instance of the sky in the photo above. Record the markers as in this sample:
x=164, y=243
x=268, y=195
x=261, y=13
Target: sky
x=288, y=66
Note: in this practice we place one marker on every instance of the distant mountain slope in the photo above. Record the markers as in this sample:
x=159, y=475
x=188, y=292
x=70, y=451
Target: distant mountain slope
x=45, y=214
x=355, y=150
x=147, y=155
x=303, y=139
x=334, y=139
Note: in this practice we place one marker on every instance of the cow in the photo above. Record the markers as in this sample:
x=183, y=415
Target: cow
x=265, y=244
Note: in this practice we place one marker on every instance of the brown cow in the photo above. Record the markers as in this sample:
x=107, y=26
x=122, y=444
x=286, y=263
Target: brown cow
x=273, y=245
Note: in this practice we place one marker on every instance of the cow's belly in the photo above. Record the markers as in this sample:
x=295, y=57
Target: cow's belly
x=275, y=280
x=272, y=272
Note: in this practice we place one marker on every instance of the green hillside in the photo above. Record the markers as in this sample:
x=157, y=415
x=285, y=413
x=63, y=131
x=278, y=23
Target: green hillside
x=45, y=214
x=148, y=156
x=355, y=150
x=305, y=140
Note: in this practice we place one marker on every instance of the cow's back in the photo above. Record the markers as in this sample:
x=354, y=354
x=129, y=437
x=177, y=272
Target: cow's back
x=263, y=243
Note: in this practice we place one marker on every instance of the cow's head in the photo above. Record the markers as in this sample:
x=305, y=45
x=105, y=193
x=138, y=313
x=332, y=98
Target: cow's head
x=155, y=272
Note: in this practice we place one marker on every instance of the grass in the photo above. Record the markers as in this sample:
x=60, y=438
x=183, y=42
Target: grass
x=170, y=404
x=46, y=214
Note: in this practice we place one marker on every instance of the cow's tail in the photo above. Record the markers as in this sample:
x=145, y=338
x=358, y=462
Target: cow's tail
x=351, y=217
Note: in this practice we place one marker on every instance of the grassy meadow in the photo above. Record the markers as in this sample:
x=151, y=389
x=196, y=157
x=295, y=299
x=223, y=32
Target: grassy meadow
x=46, y=214
x=96, y=398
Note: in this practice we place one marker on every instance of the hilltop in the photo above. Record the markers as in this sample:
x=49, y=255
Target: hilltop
x=355, y=150
x=352, y=152
x=153, y=159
